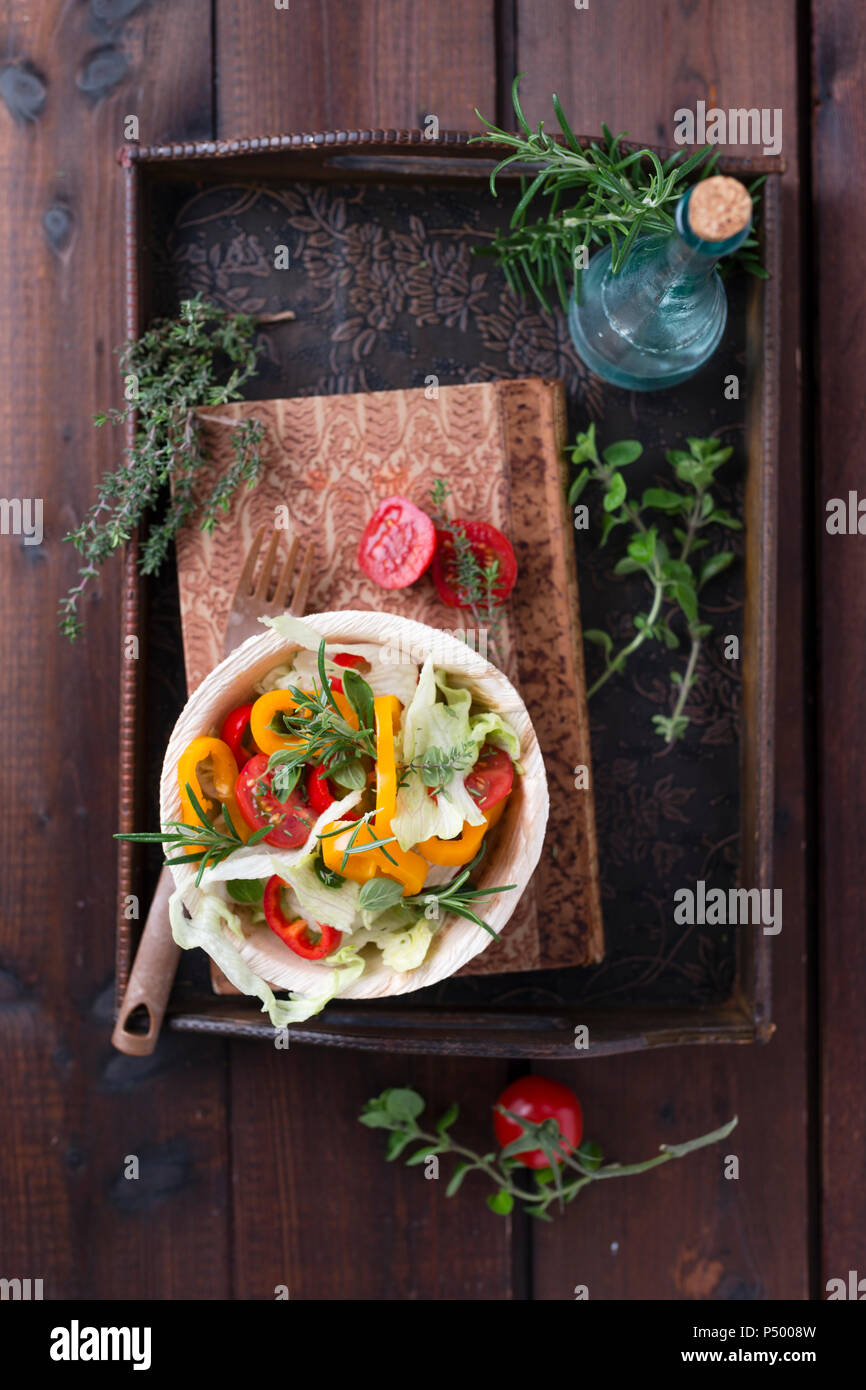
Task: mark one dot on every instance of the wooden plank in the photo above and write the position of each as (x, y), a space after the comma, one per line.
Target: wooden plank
(336, 66)
(318, 1209)
(73, 1110)
(686, 1233)
(381, 1234)
(839, 143)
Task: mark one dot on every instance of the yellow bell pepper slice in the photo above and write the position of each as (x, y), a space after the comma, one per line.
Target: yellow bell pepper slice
(276, 701)
(409, 869)
(266, 706)
(387, 712)
(467, 843)
(225, 775)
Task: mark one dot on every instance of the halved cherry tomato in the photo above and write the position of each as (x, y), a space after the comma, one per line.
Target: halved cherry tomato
(491, 778)
(236, 726)
(397, 544)
(345, 659)
(488, 544)
(319, 792)
(296, 933)
(537, 1098)
(291, 819)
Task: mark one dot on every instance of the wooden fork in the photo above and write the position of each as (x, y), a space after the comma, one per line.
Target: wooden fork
(279, 588)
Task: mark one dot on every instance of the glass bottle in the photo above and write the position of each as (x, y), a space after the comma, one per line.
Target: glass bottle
(660, 318)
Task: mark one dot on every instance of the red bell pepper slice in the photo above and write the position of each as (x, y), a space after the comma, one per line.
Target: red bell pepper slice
(296, 934)
(234, 730)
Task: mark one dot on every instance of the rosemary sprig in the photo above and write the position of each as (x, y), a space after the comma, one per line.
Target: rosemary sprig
(352, 847)
(171, 371)
(453, 897)
(671, 573)
(476, 584)
(595, 194)
(206, 844)
(569, 1171)
(323, 735)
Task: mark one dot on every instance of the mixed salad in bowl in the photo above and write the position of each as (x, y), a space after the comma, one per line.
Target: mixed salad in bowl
(340, 810)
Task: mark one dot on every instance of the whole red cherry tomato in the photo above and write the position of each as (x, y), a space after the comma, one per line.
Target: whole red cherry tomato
(291, 819)
(296, 933)
(538, 1098)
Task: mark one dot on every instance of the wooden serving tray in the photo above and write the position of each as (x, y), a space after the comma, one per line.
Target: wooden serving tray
(386, 292)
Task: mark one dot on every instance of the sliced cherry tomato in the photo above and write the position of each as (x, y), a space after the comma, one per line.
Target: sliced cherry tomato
(234, 732)
(318, 790)
(397, 544)
(491, 778)
(537, 1098)
(488, 545)
(345, 659)
(296, 933)
(259, 806)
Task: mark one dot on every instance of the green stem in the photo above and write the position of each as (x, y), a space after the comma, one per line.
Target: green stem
(684, 687)
(637, 641)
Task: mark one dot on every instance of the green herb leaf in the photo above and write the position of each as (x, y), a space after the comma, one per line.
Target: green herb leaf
(598, 639)
(378, 894)
(715, 565)
(501, 1202)
(664, 501)
(402, 1103)
(329, 877)
(360, 697)
(625, 451)
(351, 775)
(616, 493)
(578, 486)
(245, 890)
(448, 1118)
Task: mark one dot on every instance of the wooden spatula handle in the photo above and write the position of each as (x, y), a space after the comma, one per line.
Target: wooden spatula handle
(152, 975)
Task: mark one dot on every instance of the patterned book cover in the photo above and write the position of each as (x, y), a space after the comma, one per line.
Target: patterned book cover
(331, 460)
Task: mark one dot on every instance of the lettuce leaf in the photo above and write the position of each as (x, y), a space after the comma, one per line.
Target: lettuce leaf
(206, 928)
(385, 677)
(444, 724)
(406, 950)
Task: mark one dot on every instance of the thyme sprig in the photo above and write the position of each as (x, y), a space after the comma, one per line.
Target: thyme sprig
(673, 578)
(475, 583)
(595, 194)
(437, 766)
(569, 1172)
(206, 845)
(173, 370)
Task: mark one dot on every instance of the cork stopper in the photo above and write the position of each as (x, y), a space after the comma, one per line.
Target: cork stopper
(719, 208)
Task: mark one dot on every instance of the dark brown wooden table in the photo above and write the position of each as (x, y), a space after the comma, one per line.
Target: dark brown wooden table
(237, 1142)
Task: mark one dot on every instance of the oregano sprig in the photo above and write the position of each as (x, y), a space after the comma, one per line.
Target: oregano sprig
(669, 566)
(569, 1171)
(200, 359)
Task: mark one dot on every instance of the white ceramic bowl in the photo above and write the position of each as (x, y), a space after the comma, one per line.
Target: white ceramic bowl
(518, 837)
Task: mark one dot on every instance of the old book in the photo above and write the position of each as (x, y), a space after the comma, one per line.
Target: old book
(498, 444)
